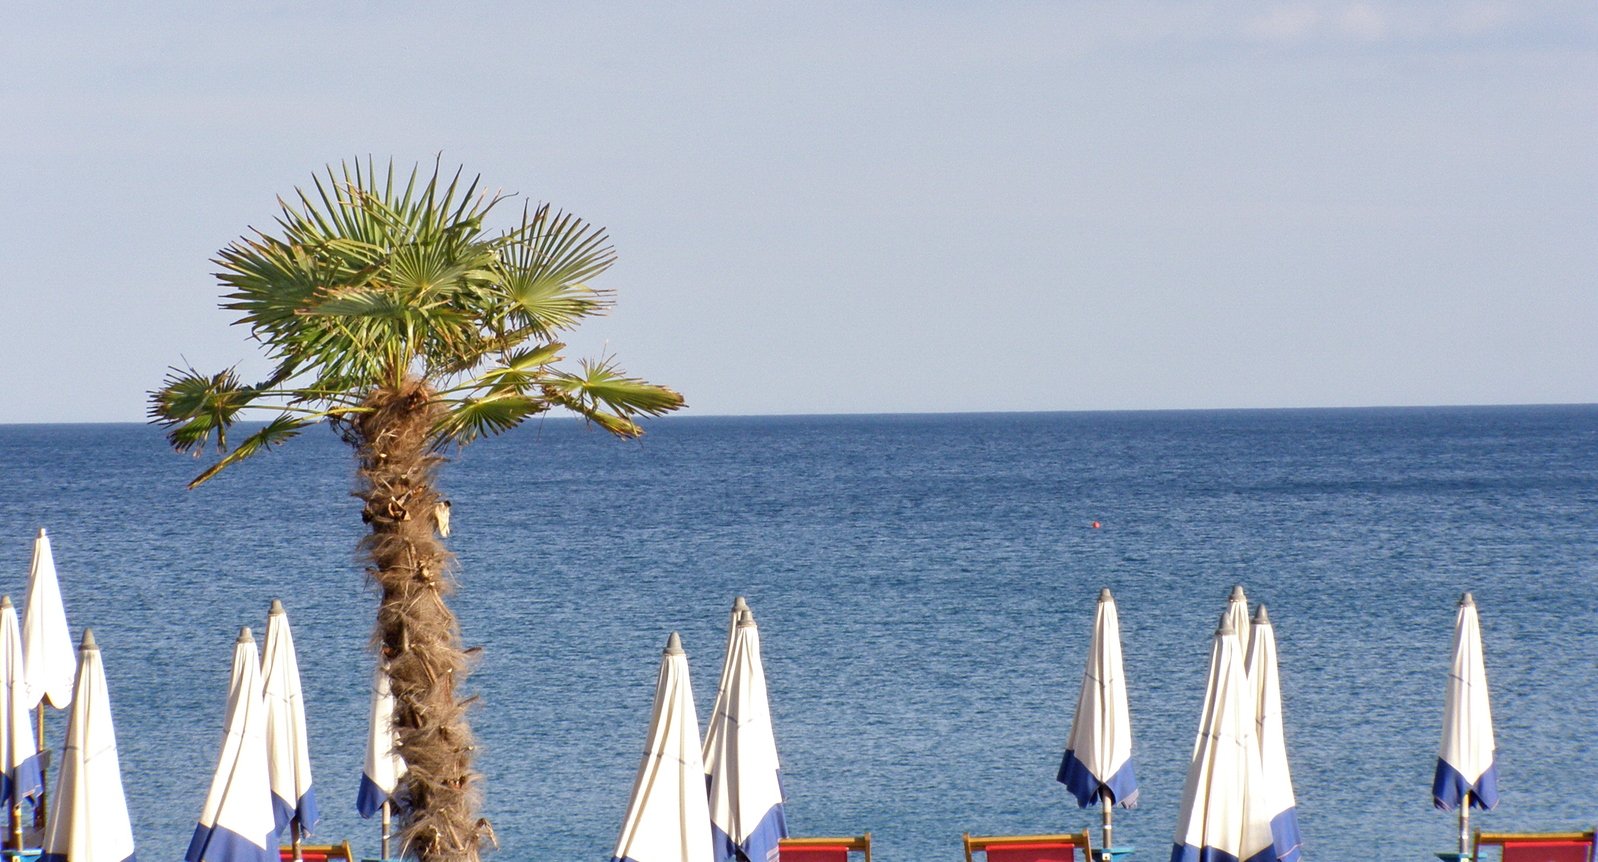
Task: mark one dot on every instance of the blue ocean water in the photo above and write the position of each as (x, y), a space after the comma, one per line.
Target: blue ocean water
(925, 587)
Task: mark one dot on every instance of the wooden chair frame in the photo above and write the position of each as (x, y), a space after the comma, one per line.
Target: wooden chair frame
(860, 843)
(1077, 840)
(330, 851)
(1499, 839)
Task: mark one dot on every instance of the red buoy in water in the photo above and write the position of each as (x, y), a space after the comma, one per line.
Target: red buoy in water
(1095, 525)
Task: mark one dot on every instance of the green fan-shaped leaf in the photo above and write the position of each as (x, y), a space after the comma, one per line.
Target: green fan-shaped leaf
(272, 434)
(193, 406)
(607, 396)
(481, 417)
(520, 370)
(545, 266)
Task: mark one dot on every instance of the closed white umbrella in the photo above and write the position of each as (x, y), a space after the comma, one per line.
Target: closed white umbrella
(48, 657)
(288, 749)
(384, 767)
(89, 822)
(668, 815)
(1219, 820)
(1237, 617)
(19, 755)
(739, 605)
(1097, 767)
(1467, 772)
(237, 823)
(1276, 793)
(746, 816)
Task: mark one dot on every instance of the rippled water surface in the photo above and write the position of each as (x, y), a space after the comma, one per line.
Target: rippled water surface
(925, 588)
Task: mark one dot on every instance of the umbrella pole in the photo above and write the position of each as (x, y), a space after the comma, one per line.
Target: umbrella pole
(1104, 800)
(385, 830)
(16, 827)
(39, 818)
(1464, 826)
(294, 837)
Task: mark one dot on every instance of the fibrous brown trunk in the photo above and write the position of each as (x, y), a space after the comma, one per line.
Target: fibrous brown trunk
(417, 635)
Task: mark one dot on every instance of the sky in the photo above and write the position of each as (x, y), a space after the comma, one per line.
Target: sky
(856, 208)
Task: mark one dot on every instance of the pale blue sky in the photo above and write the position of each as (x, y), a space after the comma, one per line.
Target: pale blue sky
(855, 207)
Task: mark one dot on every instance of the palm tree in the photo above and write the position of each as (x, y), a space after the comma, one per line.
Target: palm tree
(393, 313)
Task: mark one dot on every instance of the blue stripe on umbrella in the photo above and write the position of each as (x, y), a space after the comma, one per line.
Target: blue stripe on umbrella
(1449, 787)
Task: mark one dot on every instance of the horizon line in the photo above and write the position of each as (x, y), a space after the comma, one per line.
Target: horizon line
(909, 413)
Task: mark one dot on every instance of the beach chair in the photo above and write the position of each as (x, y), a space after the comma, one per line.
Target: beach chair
(823, 849)
(319, 853)
(1029, 848)
(1539, 846)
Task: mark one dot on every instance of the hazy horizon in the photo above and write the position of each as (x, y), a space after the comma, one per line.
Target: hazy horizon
(691, 414)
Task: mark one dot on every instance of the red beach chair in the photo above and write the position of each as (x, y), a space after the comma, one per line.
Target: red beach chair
(1540, 846)
(823, 849)
(319, 853)
(1029, 848)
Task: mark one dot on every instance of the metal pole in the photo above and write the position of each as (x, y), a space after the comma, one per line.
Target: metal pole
(294, 837)
(1464, 826)
(39, 818)
(385, 830)
(1104, 799)
(16, 827)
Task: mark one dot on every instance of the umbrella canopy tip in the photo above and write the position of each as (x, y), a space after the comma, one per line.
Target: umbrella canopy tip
(245, 636)
(5, 602)
(1261, 618)
(88, 640)
(746, 618)
(1225, 628)
(1237, 593)
(277, 608)
(1104, 595)
(739, 605)
(673, 644)
(1467, 601)
(41, 533)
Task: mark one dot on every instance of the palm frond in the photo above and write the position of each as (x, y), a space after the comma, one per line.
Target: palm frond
(493, 414)
(193, 406)
(272, 434)
(604, 394)
(545, 265)
(520, 370)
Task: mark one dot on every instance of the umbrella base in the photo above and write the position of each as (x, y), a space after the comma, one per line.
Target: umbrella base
(1113, 854)
(1455, 856)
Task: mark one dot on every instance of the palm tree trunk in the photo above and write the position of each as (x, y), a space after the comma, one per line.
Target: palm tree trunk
(416, 632)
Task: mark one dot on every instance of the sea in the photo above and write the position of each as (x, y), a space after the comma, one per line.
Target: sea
(925, 588)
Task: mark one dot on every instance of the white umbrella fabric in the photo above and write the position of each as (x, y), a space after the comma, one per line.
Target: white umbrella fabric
(1097, 767)
(745, 777)
(739, 605)
(89, 822)
(288, 748)
(384, 767)
(1219, 820)
(668, 814)
(48, 658)
(1237, 616)
(19, 754)
(1276, 792)
(1467, 771)
(237, 823)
